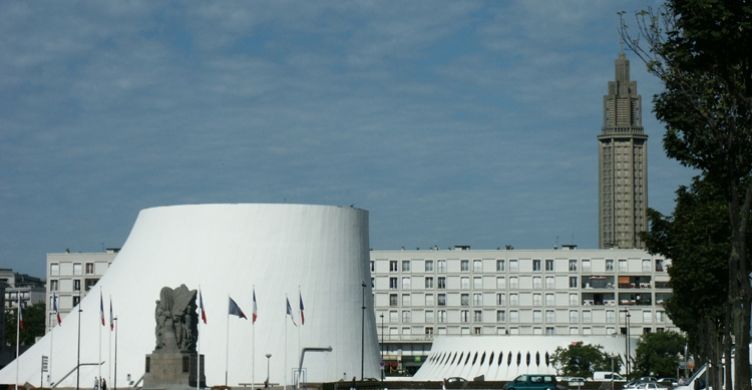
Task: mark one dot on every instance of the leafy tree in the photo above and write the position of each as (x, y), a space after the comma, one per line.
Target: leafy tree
(699, 49)
(657, 353)
(582, 360)
(34, 323)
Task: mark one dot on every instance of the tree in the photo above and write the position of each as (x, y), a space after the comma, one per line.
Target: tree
(658, 353)
(699, 49)
(34, 323)
(582, 360)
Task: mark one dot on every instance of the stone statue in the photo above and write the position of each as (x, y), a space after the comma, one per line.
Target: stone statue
(177, 321)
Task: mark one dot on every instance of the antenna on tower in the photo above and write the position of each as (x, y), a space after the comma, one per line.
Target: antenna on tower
(618, 30)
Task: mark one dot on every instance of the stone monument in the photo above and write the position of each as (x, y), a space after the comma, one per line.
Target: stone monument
(172, 364)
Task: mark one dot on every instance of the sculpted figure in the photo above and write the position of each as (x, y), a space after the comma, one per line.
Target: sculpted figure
(176, 320)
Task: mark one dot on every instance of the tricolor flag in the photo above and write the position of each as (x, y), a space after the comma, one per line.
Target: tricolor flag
(302, 316)
(101, 308)
(20, 316)
(234, 309)
(289, 311)
(112, 317)
(201, 306)
(55, 309)
(254, 316)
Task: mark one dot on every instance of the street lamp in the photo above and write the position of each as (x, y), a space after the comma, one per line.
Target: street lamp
(626, 341)
(362, 329)
(268, 358)
(382, 345)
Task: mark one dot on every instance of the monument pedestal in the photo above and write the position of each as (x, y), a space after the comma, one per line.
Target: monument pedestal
(172, 370)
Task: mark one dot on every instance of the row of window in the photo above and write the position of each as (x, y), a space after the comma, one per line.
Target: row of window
(440, 316)
(538, 299)
(501, 282)
(88, 284)
(548, 265)
(88, 268)
(478, 330)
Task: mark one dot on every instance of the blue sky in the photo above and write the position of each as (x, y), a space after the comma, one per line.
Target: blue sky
(452, 122)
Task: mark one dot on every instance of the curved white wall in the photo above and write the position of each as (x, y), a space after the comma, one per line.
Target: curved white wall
(503, 358)
(226, 249)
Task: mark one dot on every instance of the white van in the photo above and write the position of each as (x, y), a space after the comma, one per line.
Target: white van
(608, 376)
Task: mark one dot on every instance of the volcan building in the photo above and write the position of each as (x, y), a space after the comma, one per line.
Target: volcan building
(623, 164)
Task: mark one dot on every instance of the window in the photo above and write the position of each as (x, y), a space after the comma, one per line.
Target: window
(55, 269)
(89, 283)
(392, 265)
(393, 283)
(572, 265)
(501, 316)
(513, 282)
(429, 331)
(659, 316)
(514, 266)
(406, 282)
(499, 265)
(464, 265)
(573, 300)
(572, 282)
(77, 285)
(477, 283)
(477, 331)
(393, 299)
(429, 283)
(610, 316)
(586, 265)
(477, 266)
(501, 299)
(514, 316)
(501, 282)
(573, 330)
(89, 268)
(76, 300)
(647, 317)
(550, 316)
(53, 285)
(372, 266)
(537, 316)
(477, 299)
(405, 316)
(514, 299)
(441, 299)
(549, 265)
(574, 317)
(405, 299)
(464, 316)
(465, 283)
(537, 299)
(659, 265)
(622, 265)
(550, 330)
(464, 331)
(429, 316)
(405, 265)
(549, 282)
(478, 316)
(429, 265)
(442, 316)
(441, 265)
(77, 269)
(465, 299)
(537, 284)
(550, 301)
(646, 265)
(442, 282)
(609, 264)
(429, 300)
(406, 331)
(393, 316)
(587, 316)
(536, 265)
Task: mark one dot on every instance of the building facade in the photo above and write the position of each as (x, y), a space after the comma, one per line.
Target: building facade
(29, 289)
(70, 276)
(419, 294)
(623, 172)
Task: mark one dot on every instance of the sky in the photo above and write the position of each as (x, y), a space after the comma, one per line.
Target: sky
(451, 122)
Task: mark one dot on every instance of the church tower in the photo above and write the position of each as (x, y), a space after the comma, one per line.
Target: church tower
(623, 164)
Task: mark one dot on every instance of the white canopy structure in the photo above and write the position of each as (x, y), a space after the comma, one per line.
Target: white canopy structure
(284, 250)
(503, 358)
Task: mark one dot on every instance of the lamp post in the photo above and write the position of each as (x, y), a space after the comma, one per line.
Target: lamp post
(78, 351)
(114, 384)
(382, 345)
(362, 329)
(626, 341)
(268, 358)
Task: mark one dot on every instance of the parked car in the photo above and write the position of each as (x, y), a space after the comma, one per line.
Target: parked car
(668, 382)
(607, 376)
(647, 386)
(533, 382)
(456, 379)
(576, 381)
(637, 382)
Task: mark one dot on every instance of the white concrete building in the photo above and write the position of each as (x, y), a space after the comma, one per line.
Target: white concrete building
(566, 291)
(71, 275)
(29, 289)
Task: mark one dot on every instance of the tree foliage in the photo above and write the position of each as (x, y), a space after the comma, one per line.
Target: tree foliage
(581, 360)
(658, 353)
(700, 50)
(34, 323)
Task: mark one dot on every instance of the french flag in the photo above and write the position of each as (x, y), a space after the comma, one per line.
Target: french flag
(302, 316)
(54, 308)
(201, 306)
(289, 311)
(255, 308)
(101, 308)
(112, 317)
(20, 316)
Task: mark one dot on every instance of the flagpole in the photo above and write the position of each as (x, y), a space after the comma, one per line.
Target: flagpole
(49, 360)
(101, 318)
(18, 331)
(109, 347)
(227, 342)
(284, 370)
(198, 342)
(300, 298)
(253, 340)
